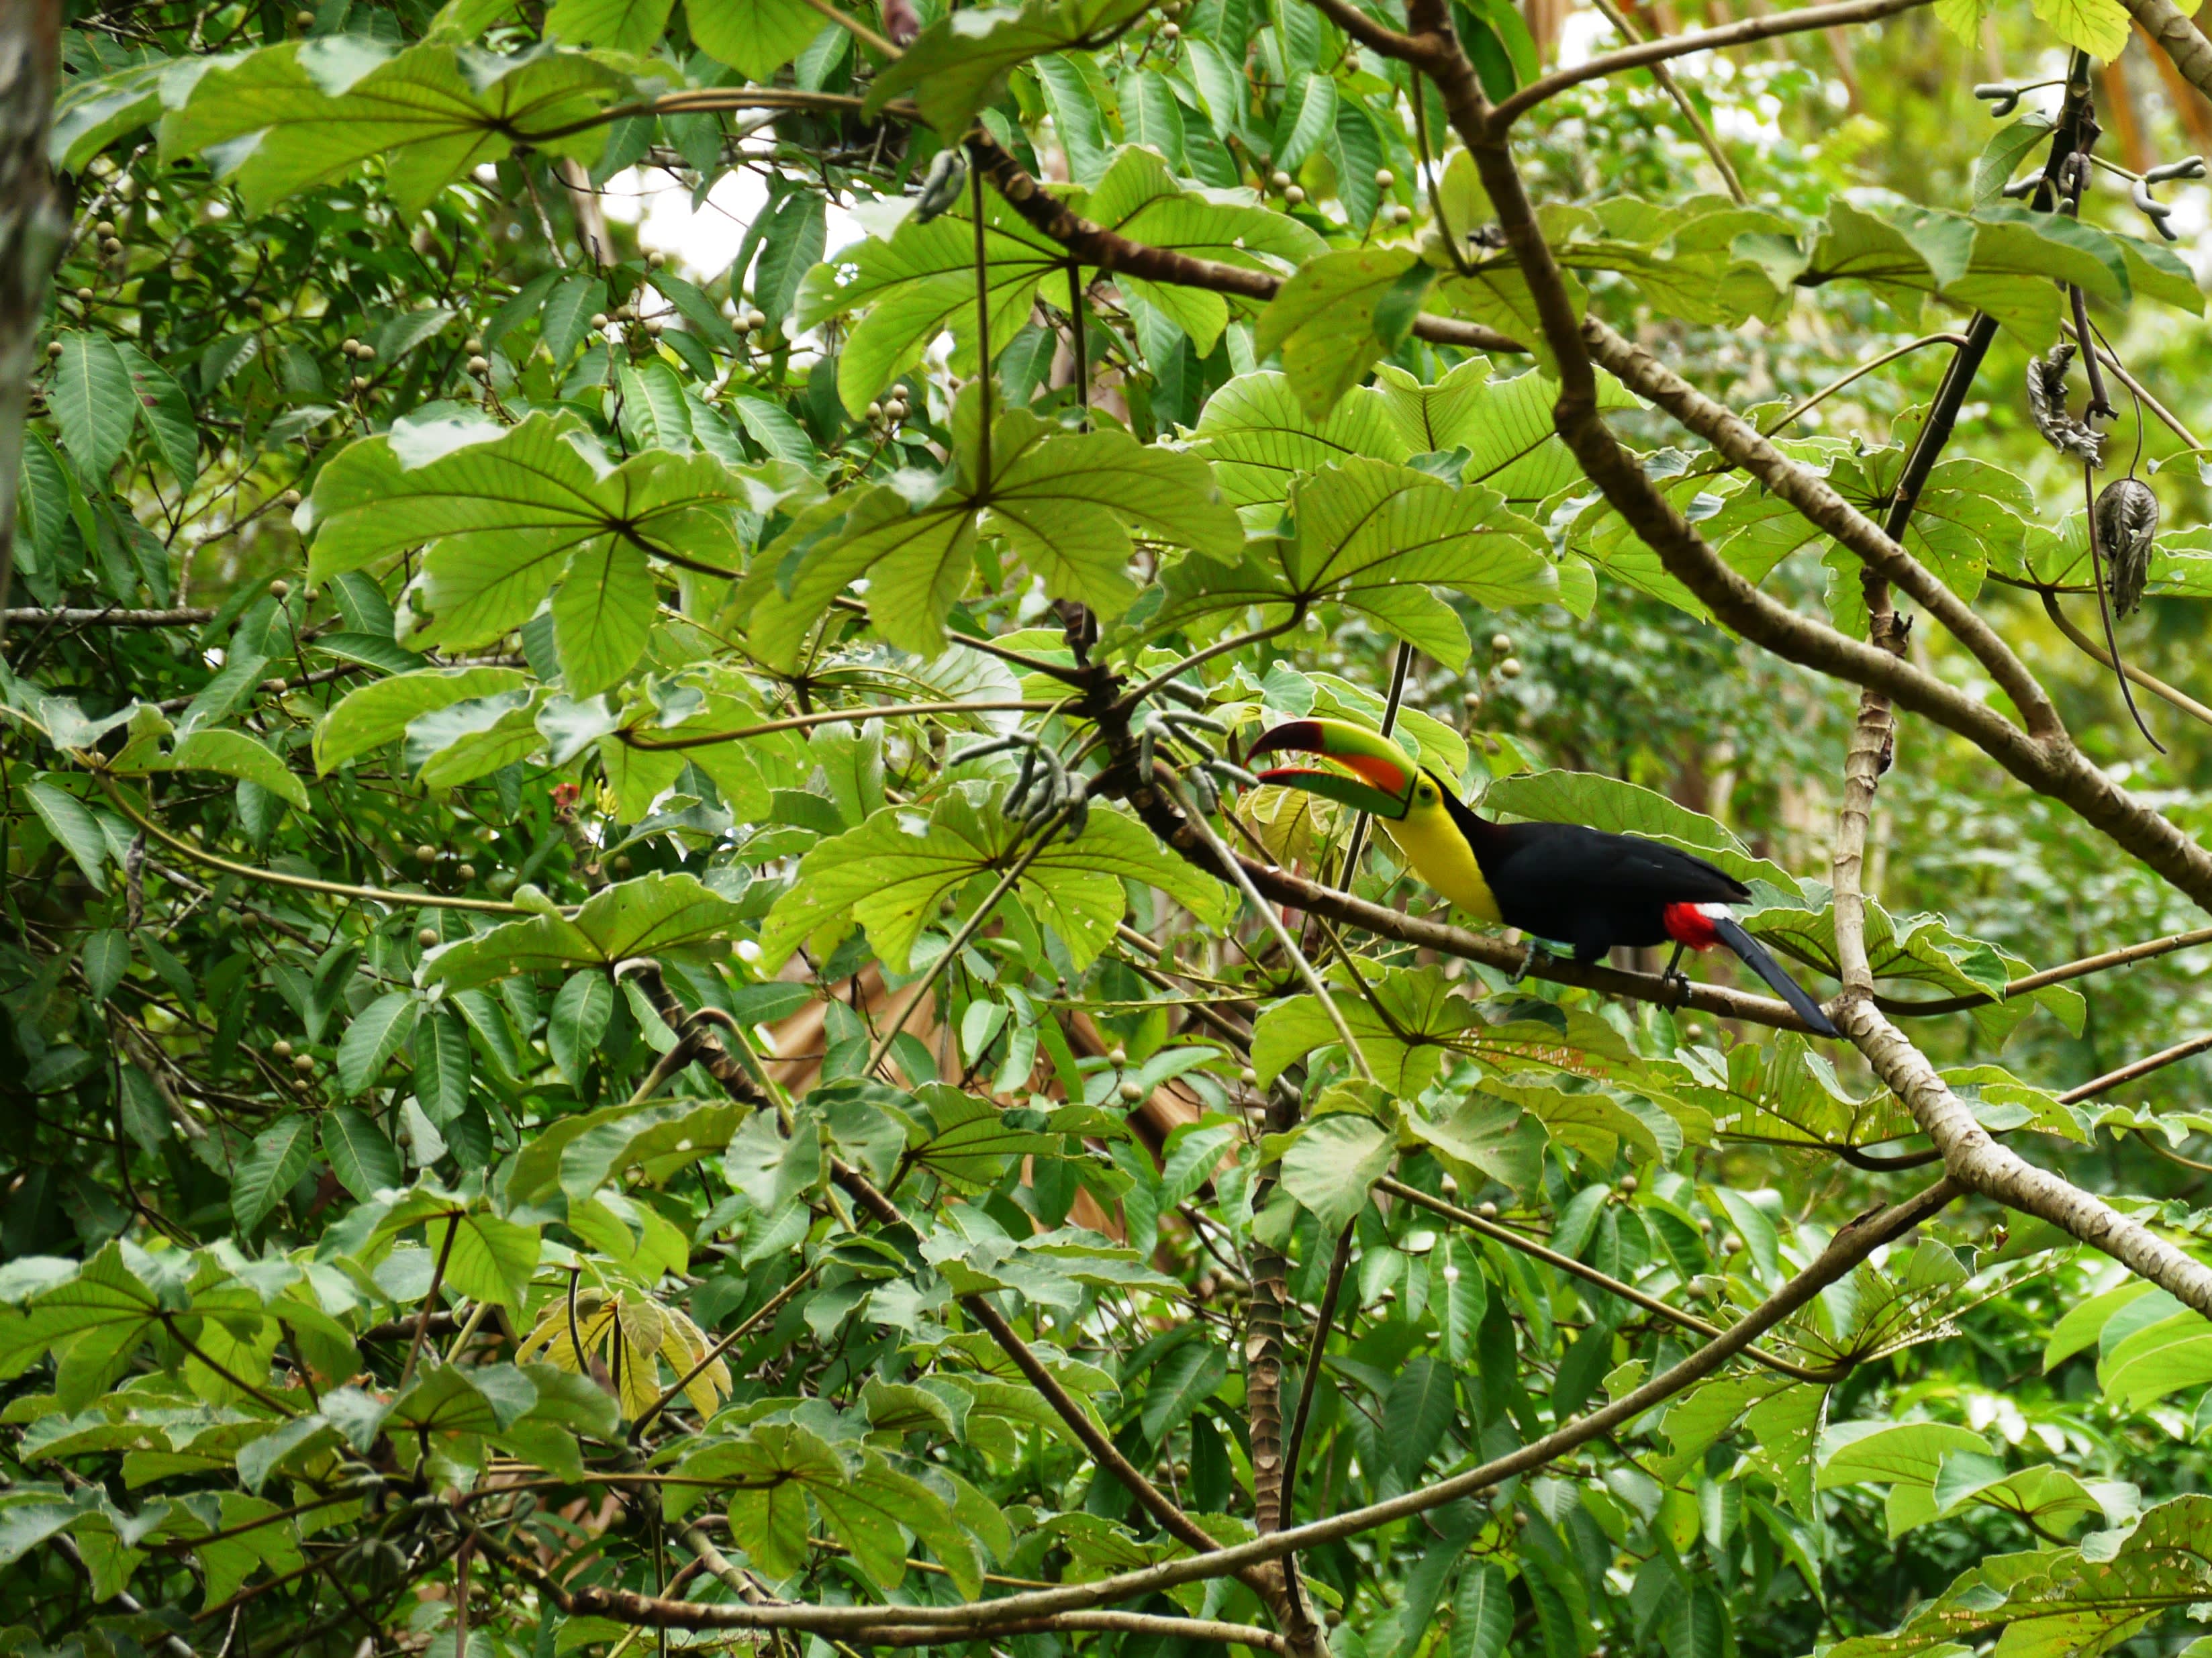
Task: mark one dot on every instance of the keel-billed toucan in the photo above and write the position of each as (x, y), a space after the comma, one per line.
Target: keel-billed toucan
(1580, 887)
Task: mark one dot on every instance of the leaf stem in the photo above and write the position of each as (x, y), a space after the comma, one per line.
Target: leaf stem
(430, 1295)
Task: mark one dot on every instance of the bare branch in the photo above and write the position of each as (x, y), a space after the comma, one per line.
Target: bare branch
(1682, 46)
(1096, 245)
(1851, 1245)
(2178, 38)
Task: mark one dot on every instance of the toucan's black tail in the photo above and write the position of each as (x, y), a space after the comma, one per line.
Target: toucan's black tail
(1767, 968)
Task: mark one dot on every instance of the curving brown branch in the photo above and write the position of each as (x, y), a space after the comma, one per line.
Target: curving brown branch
(2179, 37)
(1819, 504)
(1851, 1245)
(1094, 245)
(1801, 21)
(2174, 696)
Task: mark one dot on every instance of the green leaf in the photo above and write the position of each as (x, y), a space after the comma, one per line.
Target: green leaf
(1257, 434)
(1406, 1049)
(568, 314)
(2100, 27)
(1181, 1381)
(1482, 1613)
(165, 410)
(953, 69)
(1330, 1165)
(631, 26)
(1340, 314)
(920, 284)
(1416, 1412)
(1506, 426)
(374, 1037)
(490, 1259)
(508, 514)
(1374, 537)
(755, 37)
(654, 915)
(361, 1154)
(236, 755)
(106, 959)
(771, 1470)
(893, 872)
(577, 1022)
(270, 1169)
(94, 402)
(442, 1065)
(1063, 503)
(2158, 1359)
(1141, 197)
(379, 713)
(312, 111)
(70, 822)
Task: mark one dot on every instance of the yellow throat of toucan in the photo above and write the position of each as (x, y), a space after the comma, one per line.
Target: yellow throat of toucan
(1433, 841)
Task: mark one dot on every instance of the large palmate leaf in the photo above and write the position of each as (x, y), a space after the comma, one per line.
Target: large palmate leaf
(1062, 502)
(1260, 439)
(953, 69)
(1971, 515)
(2001, 260)
(1339, 315)
(920, 283)
(653, 914)
(1403, 1022)
(1140, 198)
(313, 112)
(892, 872)
(1374, 537)
(508, 514)
(1505, 425)
(1683, 256)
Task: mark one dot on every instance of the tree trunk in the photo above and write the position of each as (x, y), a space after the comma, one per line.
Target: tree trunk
(31, 228)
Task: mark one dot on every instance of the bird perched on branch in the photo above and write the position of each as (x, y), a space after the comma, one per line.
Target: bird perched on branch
(1580, 887)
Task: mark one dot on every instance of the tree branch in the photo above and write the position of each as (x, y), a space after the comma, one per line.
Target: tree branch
(1820, 504)
(1094, 245)
(1851, 1245)
(2170, 695)
(185, 617)
(1627, 1292)
(1801, 21)
(2178, 38)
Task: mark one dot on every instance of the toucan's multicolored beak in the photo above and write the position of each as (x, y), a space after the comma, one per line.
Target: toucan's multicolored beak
(1368, 771)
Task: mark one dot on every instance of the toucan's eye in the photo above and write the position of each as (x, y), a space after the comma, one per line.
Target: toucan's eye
(1428, 793)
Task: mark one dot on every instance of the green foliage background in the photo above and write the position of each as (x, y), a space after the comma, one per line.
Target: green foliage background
(361, 1263)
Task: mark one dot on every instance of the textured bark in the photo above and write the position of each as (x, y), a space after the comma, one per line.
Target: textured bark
(2182, 41)
(1980, 1164)
(1263, 1384)
(32, 227)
